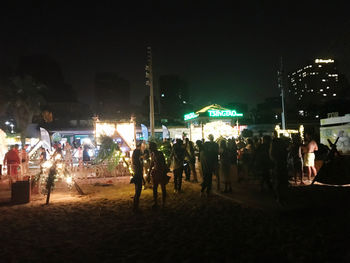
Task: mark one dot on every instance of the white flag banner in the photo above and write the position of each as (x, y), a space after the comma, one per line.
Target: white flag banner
(45, 138)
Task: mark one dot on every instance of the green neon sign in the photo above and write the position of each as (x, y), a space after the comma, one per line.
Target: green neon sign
(224, 113)
(190, 116)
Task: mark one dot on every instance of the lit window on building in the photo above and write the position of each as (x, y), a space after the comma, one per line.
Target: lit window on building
(163, 95)
(317, 116)
(334, 94)
(323, 80)
(301, 112)
(320, 66)
(327, 88)
(312, 90)
(321, 89)
(324, 94)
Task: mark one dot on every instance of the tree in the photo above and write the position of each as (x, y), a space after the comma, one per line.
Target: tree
(25, 102)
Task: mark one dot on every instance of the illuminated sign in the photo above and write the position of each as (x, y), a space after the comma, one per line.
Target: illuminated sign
(190, 116)
(324, 60)
(224, 113)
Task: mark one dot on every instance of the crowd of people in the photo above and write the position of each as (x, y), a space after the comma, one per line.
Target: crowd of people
(16, 160)
(271, 160)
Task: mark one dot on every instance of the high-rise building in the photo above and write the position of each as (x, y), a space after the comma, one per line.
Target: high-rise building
(112, 94)
(315, 87)
(315, 83)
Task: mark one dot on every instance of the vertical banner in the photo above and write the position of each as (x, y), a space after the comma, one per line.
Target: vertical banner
(166, 134)
(45, 138)
(144, 132)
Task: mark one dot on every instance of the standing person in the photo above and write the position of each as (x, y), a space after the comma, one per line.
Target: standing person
(80, 157)
(199, 145)
(232, 148)
(42, 156)
(225, 166)
(68, 156)
(86, 156)
(146, 165)
(213, 152)
(207, 168)
(177, 157)
(248, 158)
(12, 161)
(137, 166)
(263, 163)
(278, 154)
(191, 156)
(187, 168)
(309, 156)
(158, 173)
(295, 157)
(24, 160)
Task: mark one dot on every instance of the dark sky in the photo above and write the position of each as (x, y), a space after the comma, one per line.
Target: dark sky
(227, 52)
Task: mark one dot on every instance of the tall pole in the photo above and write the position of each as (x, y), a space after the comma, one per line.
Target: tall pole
(149, 82)
(280, 86)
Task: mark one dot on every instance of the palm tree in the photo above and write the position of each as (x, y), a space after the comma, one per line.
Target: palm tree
(25, 102)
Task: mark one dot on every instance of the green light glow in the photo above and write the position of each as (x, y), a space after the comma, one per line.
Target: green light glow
(190, 116)
(224, 113)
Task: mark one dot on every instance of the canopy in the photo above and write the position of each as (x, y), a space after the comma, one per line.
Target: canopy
(212, 111)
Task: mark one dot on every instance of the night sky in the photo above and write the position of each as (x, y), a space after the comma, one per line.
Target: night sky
(227, 52)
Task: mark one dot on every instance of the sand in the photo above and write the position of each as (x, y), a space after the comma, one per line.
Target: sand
(101, 227)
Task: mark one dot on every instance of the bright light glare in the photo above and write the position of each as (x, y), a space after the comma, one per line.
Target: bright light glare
(47, 164)
(69, 180)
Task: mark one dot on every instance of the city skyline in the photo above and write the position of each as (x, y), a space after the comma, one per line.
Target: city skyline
(232, 50)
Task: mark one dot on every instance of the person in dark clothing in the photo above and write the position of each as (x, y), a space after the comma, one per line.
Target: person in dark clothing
(187, 168)
(207, 168)
(86, 156)
(278, 154)
(191, 160)
(295, 158)
(212, 158)
(199, 145)
(158, 173)
(177, 157)
(232, 148)
(225, 166)
(263, 163)
(42, 156)
(137, 166)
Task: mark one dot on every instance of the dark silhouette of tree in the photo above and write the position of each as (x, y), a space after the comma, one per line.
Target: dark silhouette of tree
(25, 102)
